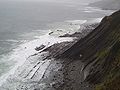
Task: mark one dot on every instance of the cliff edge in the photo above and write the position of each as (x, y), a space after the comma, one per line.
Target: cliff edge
(90, 62)
(100, 53)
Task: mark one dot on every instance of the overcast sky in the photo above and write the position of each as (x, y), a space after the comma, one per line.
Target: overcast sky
(54, 0)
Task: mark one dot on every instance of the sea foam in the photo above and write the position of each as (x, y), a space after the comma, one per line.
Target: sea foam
(25, 50)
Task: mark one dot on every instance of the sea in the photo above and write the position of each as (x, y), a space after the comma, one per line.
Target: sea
(23, 22)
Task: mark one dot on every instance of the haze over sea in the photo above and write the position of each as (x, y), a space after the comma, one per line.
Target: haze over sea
(23, 21)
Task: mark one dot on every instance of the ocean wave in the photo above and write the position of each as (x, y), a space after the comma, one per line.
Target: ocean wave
(94, 20)
(76, 21)
(95, 9)
(25, 50)
(66, 27)
(9, 40)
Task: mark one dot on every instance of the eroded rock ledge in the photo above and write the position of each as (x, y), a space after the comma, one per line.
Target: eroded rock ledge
(43, 71)
(90, 62)
(99, 52)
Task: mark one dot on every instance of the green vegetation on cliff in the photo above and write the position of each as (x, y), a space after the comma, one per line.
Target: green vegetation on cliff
(111, 81)
(105, 67)
(100, 53)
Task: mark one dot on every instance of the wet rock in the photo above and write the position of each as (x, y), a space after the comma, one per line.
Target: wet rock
(40, 48)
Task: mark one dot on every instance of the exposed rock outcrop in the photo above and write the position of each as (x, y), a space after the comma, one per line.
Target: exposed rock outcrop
(87, 63)
(99, 51)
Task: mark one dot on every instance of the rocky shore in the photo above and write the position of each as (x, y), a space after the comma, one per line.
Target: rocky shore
(91, 61)
(99, 53)
(42, 71)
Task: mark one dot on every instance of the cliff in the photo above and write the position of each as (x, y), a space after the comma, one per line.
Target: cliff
(90, 62)
(100, 53)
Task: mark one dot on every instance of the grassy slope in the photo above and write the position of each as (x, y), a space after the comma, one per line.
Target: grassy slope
(108, 59)
(100, 52)
(111, 81)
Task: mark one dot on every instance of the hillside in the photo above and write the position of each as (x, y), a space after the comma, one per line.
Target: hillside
(100, 53)
(89, 62)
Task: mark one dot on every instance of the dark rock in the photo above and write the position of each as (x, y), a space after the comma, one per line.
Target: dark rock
(100, 51)
(51, 33)
(40, 48)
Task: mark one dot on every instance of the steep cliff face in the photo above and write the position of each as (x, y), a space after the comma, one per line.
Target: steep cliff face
(88, 63)
(100, 53)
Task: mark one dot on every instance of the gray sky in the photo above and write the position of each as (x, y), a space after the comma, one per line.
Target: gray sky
(54, 0)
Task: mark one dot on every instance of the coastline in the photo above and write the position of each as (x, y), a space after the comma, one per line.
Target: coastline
(56, 43)
(27, 49)
(52, 49)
